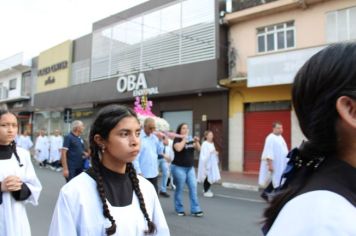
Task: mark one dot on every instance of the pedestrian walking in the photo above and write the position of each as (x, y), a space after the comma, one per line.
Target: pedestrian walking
(318, 196)
(208, 168)
(55, 150)
(73, 152)
(273, 160)
(42, 148)
(163, 162)
(110, 199)
(183, 171)
(151, 146)
(24, 141)
(18, 180)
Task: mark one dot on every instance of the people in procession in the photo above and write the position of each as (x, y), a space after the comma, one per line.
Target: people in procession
(55, 150)
(73, 152)
(318, 195)
(151, 147)
(110, 198)
(208, 168)
(18, 180)
(42, 148)
(24, 140)
(183, 171)
(273, 160)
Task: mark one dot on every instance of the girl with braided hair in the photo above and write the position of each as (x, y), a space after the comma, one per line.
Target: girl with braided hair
(18, 180)
(318, 196)
(109, 198)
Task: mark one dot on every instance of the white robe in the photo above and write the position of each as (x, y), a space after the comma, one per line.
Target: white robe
(79, 211)
(42, 148)
(24, 142)
(316, 213)
(208, 163)
(275, 149)
(56, 143)
(13, 217)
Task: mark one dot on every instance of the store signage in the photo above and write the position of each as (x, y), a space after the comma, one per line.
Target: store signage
(135, 83)
(50, 80)
(53, 68)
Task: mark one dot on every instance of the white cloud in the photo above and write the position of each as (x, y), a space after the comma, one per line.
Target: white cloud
(31, 26)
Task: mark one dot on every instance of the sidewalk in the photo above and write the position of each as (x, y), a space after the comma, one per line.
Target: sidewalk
(239, 180)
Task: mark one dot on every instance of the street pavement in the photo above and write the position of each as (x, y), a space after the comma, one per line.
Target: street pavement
(231, 212)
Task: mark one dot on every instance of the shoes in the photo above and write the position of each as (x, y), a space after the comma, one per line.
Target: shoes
(59, 169)
(164, 194)
(182, 213)
(198, 214)
(264, 196)
(52, 167)
(208, 194)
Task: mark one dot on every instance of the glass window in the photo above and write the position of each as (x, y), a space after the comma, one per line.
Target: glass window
(276, 37)
(261, 43)
(12, 84)
(270, 42)
(340, 25)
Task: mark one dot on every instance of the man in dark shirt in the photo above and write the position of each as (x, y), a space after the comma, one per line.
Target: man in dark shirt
(73, 151)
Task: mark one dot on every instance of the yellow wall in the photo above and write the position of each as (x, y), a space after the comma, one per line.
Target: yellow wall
(241, 95)
(310, 28)
(53, 56)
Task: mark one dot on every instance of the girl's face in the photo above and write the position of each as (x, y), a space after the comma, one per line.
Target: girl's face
(8, 128)
(210, 136)
(184, 130)
(123, 143)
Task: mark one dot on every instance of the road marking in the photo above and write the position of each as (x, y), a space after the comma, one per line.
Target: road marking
(239, 198)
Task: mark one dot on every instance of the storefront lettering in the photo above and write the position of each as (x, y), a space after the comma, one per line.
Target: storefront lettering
(131, 82)
(53, 68)
(135, 83)
(50, 80)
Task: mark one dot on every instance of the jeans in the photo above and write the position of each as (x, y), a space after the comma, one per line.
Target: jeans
(162, 164)
(182, 176)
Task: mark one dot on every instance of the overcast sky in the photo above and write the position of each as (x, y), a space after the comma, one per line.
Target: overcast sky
(32, 26)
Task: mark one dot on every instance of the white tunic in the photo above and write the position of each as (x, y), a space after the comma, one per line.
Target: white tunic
(79, 211)
(13, 217)
(42, 148)
(56, 143)
(24, 142)
(208, 163)
(275, 149)
(316, 213)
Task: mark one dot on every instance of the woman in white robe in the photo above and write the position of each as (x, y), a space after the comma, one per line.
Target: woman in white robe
(110, 199)
(19, 183)
(208, 168)
(56, 144)
(42, 148)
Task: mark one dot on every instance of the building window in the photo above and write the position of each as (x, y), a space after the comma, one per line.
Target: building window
(276, 37)
(340, 25)
(12, 84)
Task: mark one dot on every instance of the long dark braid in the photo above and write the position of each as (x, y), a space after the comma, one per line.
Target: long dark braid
(135, 183)
(100, 186)
(13, 149)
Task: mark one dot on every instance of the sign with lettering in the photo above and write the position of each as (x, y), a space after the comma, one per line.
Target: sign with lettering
(135, 83)
(53, 68)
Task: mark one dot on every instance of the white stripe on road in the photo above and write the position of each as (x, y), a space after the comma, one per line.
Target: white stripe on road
(239, 198)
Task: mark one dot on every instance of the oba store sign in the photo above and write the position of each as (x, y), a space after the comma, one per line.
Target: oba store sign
(135, 83)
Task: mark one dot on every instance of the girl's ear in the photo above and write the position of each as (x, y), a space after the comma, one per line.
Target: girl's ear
(346, 107)
(98, 140)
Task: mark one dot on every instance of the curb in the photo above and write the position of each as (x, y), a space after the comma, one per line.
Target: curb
(240, 186)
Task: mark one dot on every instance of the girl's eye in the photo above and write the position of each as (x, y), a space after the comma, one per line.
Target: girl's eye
(124, 134)
(138, 133)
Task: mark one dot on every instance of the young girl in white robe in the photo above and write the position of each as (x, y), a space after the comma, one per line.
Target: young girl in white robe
(208, 168)
(19, 183)
(110, 199)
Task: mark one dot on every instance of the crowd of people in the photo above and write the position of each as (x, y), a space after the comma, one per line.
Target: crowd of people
(118, 193)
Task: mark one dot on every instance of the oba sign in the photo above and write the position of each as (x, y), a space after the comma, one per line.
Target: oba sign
(136, 83)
